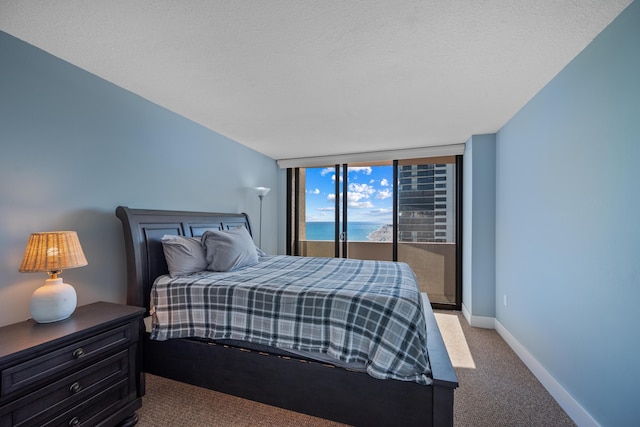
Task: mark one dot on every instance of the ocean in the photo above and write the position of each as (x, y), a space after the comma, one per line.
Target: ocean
(356, 231)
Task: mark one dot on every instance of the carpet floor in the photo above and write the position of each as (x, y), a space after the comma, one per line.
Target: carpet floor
(496, 389)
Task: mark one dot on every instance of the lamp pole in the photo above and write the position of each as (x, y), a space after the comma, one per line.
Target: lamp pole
(260, 232)
(262, 191)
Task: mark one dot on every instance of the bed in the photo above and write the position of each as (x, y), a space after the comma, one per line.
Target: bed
(275, 376)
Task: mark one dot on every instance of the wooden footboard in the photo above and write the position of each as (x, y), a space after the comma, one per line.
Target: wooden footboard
(445, 380)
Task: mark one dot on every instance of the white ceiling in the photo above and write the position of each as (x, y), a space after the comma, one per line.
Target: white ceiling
(299, 78)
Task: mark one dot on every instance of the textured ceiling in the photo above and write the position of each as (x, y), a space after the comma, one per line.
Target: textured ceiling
(298, 78)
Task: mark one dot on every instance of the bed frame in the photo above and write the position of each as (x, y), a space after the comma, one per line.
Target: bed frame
(304, 386)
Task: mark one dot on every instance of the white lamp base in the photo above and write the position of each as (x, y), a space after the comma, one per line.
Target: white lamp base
(53, 301)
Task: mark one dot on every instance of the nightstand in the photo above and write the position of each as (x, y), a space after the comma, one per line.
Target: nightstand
(81, 371)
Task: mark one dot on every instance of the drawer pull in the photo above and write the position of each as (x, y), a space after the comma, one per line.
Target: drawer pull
(75, 387)
(74, 422)
(78, 353)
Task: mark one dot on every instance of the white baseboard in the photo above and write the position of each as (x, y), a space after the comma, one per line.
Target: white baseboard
(575, 411)
(478, 321)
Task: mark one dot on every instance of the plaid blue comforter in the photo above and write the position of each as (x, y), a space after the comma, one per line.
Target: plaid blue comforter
(352, 310)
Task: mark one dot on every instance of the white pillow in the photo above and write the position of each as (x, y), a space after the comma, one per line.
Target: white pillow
(229, 250)
(184, 255)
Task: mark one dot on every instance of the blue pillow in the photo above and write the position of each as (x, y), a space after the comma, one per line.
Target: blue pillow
(184, 255)
(229, 250)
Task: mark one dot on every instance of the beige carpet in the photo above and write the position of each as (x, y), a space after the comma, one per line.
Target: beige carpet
(496, 389)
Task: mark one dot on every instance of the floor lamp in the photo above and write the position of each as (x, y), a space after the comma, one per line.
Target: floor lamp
(262, 191)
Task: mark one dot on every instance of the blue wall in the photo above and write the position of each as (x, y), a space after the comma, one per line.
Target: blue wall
(568, 225)
(73, 147)
(479, 217)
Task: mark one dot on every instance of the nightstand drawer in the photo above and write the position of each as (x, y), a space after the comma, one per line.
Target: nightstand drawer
(84, 370)
(71, 390)
(42, 368)
(91, 411)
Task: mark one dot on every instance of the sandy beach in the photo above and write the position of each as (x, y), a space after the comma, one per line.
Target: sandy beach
(382, 234)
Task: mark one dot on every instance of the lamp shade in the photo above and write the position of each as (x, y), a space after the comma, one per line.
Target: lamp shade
(52, 251)
(262, 191)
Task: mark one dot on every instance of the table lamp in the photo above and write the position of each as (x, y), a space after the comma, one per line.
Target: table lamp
(51, 252)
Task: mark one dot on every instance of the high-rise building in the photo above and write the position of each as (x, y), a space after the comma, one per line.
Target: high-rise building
(426, 200)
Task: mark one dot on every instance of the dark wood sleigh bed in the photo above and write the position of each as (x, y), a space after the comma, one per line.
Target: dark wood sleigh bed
(292, 383)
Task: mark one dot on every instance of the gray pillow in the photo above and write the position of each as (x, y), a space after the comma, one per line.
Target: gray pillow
(184, 255)
(229, 250)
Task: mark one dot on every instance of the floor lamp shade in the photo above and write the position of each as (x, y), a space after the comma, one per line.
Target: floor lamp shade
(262, 191)
(51, 252)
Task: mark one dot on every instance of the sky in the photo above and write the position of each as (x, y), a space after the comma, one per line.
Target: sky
(370, 194)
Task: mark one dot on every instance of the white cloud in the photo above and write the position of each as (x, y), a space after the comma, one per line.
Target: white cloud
(361, 188)
(325, 171)
(354, 200)
(381, 212)
(360, 205)
(316, 191)
(384, 182)
(353, 196)
(364, 169)
(384, 194)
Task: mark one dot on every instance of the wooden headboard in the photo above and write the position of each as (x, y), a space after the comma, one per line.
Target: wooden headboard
(143, 229)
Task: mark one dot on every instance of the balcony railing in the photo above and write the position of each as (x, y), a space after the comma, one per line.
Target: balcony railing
(433, 263)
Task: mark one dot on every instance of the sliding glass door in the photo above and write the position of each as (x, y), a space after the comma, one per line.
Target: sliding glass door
(315, 212)
(341, 209)
(405, 210)
(427, 225)
(370, 211)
